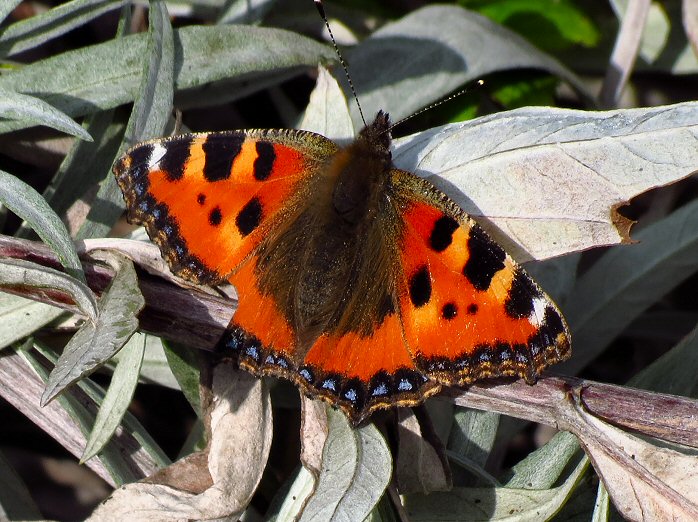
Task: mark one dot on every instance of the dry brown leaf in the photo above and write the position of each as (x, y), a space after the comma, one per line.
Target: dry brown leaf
(241, 430)
(645, 482)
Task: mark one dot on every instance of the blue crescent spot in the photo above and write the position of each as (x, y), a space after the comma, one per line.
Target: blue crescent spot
(379, 390)
(405, 385)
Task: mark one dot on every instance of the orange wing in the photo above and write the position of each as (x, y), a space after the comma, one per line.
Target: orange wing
(357, 373)
(208, 199)
(468, 310)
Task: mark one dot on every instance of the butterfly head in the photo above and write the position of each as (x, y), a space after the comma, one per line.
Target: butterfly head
(377, 136)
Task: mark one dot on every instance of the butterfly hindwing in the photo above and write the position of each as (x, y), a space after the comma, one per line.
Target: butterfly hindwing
(468, 310)
(207, 199)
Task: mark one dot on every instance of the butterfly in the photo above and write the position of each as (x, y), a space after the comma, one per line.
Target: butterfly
(361, 283)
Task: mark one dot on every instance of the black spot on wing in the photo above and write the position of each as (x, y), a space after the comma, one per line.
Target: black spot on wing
(264, 163)
(449, 311)
(215, 217)
(486, 258)
(420, 286)
(249, 216)
(201, 198)
(442, 233)
(220, 151)
(472, 309)
(523, 291)
(175, 158)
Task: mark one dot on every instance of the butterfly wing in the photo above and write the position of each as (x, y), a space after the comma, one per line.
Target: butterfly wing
(468, 310)
(208, 199)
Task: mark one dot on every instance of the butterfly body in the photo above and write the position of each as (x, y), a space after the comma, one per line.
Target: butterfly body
(361, 283)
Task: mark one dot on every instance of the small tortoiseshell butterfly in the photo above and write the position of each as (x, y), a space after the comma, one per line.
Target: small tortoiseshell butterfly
(361, 283)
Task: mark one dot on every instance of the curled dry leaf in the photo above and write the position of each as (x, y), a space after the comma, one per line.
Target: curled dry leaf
(241, 430)
(646, 482)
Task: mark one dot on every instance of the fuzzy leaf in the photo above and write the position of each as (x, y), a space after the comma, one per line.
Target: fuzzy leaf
(355, 471)
(547, 181)
(94, 344)
(626, 281)
(327, 112)
(28, 204)
(16, 106)
(20, 317)
(150, 114)
(17, 272)
(42, 27)
(483, 504)
(107, 75)
(118, 397)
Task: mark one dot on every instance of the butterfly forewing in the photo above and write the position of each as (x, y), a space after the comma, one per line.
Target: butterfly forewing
(208, 199)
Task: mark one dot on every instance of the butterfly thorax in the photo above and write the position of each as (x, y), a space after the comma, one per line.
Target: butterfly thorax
(341, 277)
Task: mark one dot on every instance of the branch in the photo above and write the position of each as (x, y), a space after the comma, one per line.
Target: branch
(196, 318)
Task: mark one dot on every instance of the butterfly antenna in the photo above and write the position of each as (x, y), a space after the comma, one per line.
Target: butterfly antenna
(480, 83)
(321, 10)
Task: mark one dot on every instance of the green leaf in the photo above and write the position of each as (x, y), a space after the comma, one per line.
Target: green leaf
(433, 51)
(14, 272)
(149, 116)
(472, 437)
(20, 317)
(327, 112)
(16, 106)
(42, 27)
(356, 469)
(28, 204)
(153, 104)
(107, 75)
(111, 457)
(94, 344)
(543, 467)
(299, 489)
(549, 24)
(184, 365)
(155, 368)
(484, 504)
(118, 397)
(85, 163)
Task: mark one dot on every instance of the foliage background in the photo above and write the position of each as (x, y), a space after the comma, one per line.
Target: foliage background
(244, 80)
